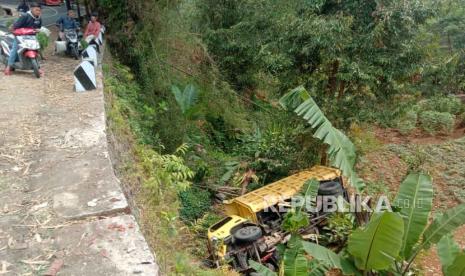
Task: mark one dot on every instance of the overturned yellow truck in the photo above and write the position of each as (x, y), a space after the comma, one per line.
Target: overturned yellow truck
(252, 228)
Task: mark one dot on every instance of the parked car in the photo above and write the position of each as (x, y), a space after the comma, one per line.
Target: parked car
(252, 228)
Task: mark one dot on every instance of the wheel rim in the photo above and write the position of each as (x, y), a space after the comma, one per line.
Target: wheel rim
(249, 230)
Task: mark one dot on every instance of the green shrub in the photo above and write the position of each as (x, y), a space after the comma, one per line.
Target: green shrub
(195, 203)
(202, 224)
(43, 40)
(415, 159)
(462, 119)
(434, 121)
(270, 152)
(339, 227)
(407, 123)
(364, 139)
(448, 104)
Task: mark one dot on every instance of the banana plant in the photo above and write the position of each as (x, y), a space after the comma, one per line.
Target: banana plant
(186, 98)
(295, 261)
(415, 200)
(340, 150)
(452, 258)
(376, 246)
(390, 241)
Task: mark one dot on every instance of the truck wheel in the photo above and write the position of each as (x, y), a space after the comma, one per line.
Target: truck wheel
(331, 188)
(249, 233)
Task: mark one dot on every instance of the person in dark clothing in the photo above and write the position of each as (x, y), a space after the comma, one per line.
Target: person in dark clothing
(31, 20)
(67, 22)
(23, 8)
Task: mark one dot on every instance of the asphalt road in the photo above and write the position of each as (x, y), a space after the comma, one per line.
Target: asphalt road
(49, 14)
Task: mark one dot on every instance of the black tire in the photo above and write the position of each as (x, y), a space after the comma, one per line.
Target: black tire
(331, 188)
(248, 233)
(75, 53)
(35, 67)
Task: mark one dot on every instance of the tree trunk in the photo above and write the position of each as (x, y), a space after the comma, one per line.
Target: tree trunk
(324, 155)
(332, 80)
(449, 42)
(247, 177)
(342, 88)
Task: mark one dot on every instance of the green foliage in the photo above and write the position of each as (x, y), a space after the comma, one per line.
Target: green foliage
(187, 98)
(415, 159)
(447, 104)
(443, 225)
(462, 119)
(448, 250)
(392, 240)
(84, 44)
(415, 200)
(364, 139)
(202, 224)
(44, 40)
(340, 50)
(294, 220)
(195, 202)
(433, 121)
(339, 227)
(378, 244)
(297, 219)
(457, 267)
(407, 123)
(340, 150)
(294, 261)
(141, 116)
(447, 48)
(329, 258)
(261, 269)
(170, 171)
(271, 153)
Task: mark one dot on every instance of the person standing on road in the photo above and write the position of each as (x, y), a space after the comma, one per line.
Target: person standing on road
(93, 28)
(31, 20)
(67, 22)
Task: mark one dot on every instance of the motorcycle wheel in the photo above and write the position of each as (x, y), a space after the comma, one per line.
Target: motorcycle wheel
(75, 53)
(35, 67)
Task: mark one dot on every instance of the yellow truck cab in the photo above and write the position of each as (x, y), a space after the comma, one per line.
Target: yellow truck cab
(251, 218)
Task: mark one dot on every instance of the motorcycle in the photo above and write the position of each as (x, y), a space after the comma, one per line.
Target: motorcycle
(72, 39)
(28, 50)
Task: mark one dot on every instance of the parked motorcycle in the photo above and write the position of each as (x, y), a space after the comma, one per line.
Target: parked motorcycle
(73, 43)
(28, 50)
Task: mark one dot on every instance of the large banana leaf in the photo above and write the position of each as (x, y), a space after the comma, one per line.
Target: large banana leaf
(415, 200)
(458, 266)
(378, 244)
(329, 258)
(261, 269)
(310, 193)
(315, 268)
(294, 259)
(448, 250)
(443, 225)
(341, 150)
(186, 99)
